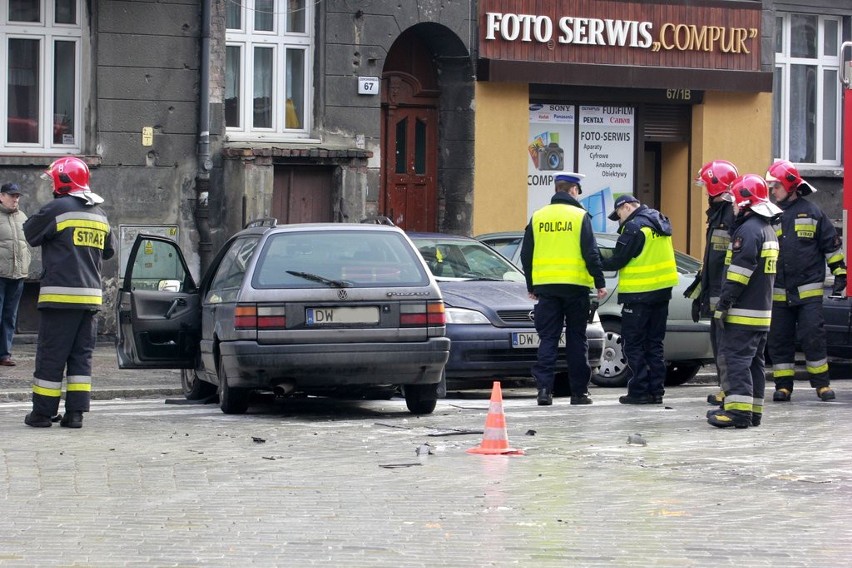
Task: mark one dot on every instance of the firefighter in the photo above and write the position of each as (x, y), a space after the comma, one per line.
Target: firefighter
(715, 177)
(562, 263)
(74, 236)
(644, 257)
(808, 241)
(744, 308)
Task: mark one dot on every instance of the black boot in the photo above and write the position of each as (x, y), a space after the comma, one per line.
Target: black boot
(545, 398)
(728, 418)
(37, 420)
(639, 399)
(73, 419)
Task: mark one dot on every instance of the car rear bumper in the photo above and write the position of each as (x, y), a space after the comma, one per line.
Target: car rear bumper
(248, 364)
(487, 352)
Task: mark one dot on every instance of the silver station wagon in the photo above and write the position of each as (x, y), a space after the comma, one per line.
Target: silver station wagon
(311, 308)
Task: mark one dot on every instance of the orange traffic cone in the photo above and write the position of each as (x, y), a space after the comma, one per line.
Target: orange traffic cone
(495, 440)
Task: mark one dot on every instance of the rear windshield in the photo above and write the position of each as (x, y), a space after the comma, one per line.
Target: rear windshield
(320, 259)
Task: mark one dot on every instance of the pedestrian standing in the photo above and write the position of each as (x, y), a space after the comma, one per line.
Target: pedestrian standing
(745, 305)
(645, 260)
(808, 242)
(715, 177)
(562, 263)
(14, 266)
(74, 235)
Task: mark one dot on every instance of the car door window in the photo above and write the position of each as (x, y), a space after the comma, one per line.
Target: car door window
(229, 275)
(158, 266)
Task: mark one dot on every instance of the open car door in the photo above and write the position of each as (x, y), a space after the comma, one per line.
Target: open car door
(159, 308)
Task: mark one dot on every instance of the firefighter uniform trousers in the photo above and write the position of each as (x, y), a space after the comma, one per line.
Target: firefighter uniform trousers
(551, 314)
(811, 334)
(66, 340)
(742, 369)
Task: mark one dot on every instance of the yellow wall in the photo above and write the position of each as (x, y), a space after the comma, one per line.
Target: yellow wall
(674, 182)
(729, 126)
(500, 157)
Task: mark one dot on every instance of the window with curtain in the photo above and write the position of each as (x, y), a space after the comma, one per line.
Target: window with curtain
(806, 89)
(40, 95)
(267, 68)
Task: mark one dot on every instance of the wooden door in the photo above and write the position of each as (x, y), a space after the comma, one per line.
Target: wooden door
(302, 194)
(410, 167)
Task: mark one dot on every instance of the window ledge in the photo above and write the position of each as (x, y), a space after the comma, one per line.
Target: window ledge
(44, 160)
(812, 170)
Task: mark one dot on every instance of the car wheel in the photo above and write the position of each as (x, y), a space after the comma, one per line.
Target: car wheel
(679, 373)
(613, 370)
(421, 399)
(195, 388)
(231, 400)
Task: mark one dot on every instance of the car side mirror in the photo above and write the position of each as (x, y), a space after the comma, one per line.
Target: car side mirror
(169, 285)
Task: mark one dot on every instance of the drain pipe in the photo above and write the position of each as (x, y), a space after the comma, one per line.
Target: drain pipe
(205, 164)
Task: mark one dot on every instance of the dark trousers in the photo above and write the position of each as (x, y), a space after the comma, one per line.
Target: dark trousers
(806, 323)
(643, 329)
(10, 296)
(552, 314)
(66, 340)
(742, 369)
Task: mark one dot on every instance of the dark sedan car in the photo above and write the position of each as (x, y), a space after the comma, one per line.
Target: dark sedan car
(488, 312)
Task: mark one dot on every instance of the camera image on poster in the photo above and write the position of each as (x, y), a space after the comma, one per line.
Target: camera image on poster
(551, 149)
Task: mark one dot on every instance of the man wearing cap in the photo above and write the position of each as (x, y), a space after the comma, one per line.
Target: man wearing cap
(562, 263)
(14, 266)
(808, 243)
(644, 257)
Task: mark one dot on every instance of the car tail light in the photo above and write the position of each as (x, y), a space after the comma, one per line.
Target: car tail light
(245, 316)
(272, 317)
(422, 314)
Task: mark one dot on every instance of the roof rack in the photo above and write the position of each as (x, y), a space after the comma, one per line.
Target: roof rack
(261, 222)
(378, 220)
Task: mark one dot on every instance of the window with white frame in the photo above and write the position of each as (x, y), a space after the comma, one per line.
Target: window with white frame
(40, 60)
(807, 89)
(268, 57)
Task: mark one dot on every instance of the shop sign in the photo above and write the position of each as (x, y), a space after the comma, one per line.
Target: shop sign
(677, 34)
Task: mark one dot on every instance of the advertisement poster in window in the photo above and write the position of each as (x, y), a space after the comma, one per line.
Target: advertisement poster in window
(551, 149)
(606, 137)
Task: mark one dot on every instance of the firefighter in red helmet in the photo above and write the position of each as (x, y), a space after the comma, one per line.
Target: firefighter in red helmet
(745, 305)
(715, 177)
(808, 242)
(74, 236)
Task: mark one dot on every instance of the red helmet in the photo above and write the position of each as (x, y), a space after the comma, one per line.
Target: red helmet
(69, 174)
(788, 176)
(716, 176)
(749, 190)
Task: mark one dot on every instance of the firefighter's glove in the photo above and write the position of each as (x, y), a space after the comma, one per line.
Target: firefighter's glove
(694, 289)
(696, 310)
(839, 288)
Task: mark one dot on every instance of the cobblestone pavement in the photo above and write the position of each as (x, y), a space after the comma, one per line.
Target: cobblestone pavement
(319, 482)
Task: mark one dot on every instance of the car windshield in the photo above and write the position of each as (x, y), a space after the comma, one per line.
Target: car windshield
(322, 259)
(463, 259)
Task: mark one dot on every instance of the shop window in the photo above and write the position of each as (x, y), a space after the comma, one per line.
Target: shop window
(40, 91)
(267, 81)
(806, 89)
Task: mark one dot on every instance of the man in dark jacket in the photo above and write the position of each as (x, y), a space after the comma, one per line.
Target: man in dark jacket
(74, 236)
(561, 262)
(808, 242)
(644, 257)
(745, 305)
(715, 177)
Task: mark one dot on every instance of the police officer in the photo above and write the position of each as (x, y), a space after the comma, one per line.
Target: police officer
(644, 257)
(808, 241)
(745, 305)
(74, 236)
(562, 263)
(715, 177)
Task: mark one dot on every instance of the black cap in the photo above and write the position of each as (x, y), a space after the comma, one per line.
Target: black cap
(11, 188)
(622, 199)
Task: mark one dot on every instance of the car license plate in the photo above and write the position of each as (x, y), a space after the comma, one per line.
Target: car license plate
(530, 340)
(338, 316)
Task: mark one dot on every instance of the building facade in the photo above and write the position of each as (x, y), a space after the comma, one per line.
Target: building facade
(197, 116)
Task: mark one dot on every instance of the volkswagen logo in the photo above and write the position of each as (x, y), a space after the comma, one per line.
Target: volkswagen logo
(342, 294)
(531, 315)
